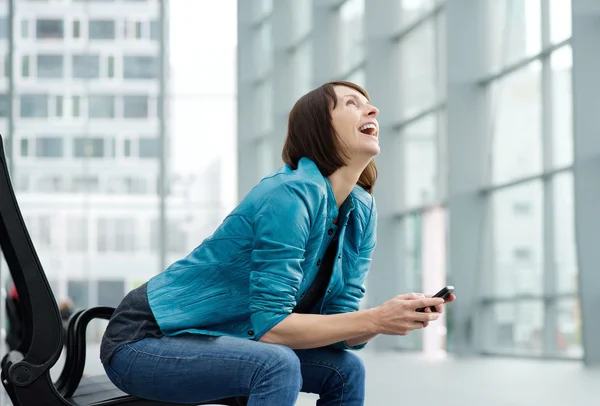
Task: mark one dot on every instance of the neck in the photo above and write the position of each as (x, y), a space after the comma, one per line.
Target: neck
(343, 181)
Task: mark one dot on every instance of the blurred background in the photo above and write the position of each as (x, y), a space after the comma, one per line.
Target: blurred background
(133, 127)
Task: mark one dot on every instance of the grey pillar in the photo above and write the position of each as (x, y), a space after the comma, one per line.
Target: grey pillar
(326, 40)
(586, 88)
(466, 129)
(247, 171)
(382, 75)
(282, 75)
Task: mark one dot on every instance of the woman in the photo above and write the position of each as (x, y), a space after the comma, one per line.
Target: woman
(265, 307)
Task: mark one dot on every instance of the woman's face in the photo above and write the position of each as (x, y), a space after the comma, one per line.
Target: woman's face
(354, 119)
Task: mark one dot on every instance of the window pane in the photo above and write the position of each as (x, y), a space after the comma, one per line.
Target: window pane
(101, 29)
(24, 29)
(516, 133)
(78, 291)
(124, 238)
(149, 147)
(49, 147)
(25, 68)
(561, 62)
(3, 28)
(412, 10)
(140, 67)
(155, 30)
(110, 293)
(352, 33)
(49, 29)
(34, 105)
(262, 48)
(50, 66)
(88, 147)
(515, 31)
(263, 107)
(135, 106)
(76, 100)
(77, 234)
(25, 147)
(568, 338)
(101, 106)
(86, 66)
(3, 105)
(560, 20)
(85, 184)
(76, 29)
(515, 327)
(418, 84)
(420, 169)
(58, 104)
(565, 254)
(517, 250)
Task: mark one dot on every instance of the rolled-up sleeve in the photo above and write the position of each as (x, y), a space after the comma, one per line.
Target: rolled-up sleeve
(354, 290)
(281, 231)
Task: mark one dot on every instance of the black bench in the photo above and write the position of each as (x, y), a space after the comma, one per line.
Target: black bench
(26, 369)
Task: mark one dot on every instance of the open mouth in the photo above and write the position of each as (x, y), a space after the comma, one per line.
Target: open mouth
(368, 129)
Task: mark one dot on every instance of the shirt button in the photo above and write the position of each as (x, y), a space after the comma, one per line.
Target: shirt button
(328, 290)
(340, 256)
(250, 333)
(318, 262)
(330, 231)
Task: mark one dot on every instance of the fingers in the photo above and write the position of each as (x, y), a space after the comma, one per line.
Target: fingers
(425, 317)
(426, 302)
(410, 296)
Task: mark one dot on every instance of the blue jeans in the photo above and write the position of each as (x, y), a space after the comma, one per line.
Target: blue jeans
(193, 368)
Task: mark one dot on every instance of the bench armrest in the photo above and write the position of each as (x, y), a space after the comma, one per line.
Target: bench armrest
(76, 347)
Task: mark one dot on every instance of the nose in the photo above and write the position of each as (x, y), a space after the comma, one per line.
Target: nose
(372, 111)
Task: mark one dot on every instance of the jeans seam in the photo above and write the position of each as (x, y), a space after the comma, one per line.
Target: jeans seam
(193, 358)
(315, 364)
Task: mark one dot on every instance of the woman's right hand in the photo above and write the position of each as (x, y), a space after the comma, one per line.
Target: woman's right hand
(399, 316)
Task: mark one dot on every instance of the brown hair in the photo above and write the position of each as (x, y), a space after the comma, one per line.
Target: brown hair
(310, 134)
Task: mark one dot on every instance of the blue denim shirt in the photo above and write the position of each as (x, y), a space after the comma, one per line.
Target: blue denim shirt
(249, 275)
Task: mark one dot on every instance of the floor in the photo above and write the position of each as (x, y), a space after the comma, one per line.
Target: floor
(401, 379)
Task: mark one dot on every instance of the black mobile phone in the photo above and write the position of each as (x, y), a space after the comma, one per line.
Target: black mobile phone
(444, 293)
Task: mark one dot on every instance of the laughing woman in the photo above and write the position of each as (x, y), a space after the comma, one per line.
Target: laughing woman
(268, 306)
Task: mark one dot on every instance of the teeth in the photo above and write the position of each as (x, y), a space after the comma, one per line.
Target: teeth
(364, 127)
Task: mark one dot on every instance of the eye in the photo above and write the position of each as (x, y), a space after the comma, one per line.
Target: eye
(350, 101)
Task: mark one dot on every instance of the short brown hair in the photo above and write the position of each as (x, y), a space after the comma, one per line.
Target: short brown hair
(310, 134)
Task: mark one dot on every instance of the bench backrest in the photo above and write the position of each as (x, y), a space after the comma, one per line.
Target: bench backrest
(42, 335)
